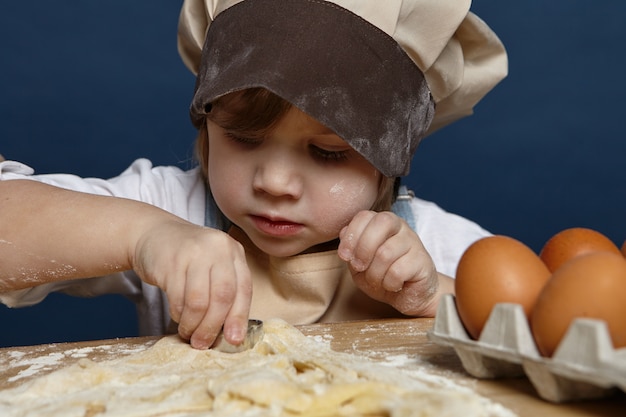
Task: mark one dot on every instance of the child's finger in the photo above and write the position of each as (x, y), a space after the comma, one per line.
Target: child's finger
(350, 235)
(418, 291)
(381, 227)
(390, 266)
(176, 297)
(222, 294)
(236, 323)
(196, 300)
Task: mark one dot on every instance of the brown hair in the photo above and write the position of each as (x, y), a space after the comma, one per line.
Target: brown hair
(255, 112)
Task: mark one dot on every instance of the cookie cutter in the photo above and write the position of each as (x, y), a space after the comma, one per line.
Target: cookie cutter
(253, 335)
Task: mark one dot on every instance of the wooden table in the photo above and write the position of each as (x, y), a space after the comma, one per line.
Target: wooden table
(403, 343)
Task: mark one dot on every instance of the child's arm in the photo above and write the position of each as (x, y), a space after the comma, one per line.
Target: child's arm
(50, 234)
(390, 264)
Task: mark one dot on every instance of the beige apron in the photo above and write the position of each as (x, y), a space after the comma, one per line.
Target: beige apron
(308, 288)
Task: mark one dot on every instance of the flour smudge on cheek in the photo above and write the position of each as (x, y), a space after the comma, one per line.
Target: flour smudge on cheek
(343, 202)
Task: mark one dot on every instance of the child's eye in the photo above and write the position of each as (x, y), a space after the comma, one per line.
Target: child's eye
(325, 155)
(241, 139)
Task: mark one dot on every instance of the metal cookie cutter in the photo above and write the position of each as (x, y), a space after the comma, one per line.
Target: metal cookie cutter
(253, 335)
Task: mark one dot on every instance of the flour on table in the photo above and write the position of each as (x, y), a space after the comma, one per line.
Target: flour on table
(30, 365)
(285, 374)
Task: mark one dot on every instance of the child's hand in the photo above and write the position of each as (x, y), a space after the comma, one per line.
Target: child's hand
(389, 263)
(205, 276)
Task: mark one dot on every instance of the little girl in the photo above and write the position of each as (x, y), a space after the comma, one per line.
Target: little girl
(308, 113)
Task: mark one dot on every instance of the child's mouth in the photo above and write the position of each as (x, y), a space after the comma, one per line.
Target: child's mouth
(277, 227)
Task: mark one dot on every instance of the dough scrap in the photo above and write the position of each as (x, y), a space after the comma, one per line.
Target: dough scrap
(285, 374)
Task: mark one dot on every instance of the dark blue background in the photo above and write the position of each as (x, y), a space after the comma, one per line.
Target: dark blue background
(86, 87)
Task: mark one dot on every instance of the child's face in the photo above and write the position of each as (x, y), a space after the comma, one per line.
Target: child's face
(293, 189)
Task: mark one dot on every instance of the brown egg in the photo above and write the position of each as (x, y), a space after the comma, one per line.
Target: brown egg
(496, 269)
(573, 242)
(591, 285)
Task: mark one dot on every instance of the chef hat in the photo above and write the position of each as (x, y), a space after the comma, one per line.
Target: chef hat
(382, 74)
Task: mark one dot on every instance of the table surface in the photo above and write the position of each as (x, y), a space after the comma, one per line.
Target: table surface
(403, 343)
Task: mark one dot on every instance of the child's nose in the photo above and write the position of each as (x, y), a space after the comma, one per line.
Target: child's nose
(278, 175)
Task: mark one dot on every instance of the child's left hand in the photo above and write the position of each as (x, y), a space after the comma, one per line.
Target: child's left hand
(390, 264)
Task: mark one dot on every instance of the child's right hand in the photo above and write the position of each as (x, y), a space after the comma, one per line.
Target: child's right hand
(203, 271)
(205, 276)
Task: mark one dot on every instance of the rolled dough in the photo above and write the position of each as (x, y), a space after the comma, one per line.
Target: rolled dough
(286, 374)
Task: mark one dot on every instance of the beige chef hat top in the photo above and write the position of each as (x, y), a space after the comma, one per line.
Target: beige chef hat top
(372, 70)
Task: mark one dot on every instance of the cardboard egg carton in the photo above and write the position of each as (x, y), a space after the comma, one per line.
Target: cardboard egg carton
(584, 366)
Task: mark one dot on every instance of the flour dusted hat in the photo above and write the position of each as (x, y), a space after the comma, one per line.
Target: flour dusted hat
(381, 74)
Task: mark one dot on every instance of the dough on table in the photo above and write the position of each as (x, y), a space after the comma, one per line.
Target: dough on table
(285, 374)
